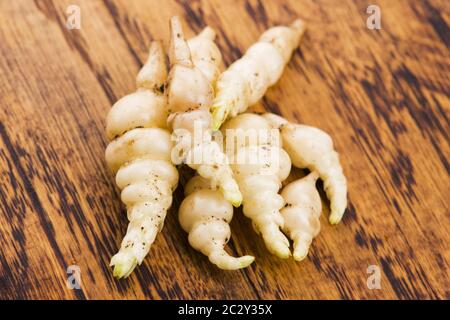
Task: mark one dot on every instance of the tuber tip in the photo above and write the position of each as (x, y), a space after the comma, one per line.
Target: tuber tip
(226, 262)
(299, 25)
(279, 248)
(208, 33)
(246, 261)
(300, 251)
(219, 115)
(335, 217)
(234, 197)
(123, 265)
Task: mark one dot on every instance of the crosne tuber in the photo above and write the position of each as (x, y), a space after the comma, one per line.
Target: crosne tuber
(312, 148)
(259, 165)
(301, 213)
(190, 94)
(205, 215)
(247, 79)
(139, 154)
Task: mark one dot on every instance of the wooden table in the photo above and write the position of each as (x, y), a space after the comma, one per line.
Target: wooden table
(383, 95)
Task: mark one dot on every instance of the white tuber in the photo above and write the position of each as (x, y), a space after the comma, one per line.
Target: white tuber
(190, 94)
(140, 152)
(259, 167)
(247, 79)
(301, 213)
(312, 148)
(140, 157)
(205, 215)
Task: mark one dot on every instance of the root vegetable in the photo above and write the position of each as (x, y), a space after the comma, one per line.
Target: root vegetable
(140, 152)
(301, 213)
(312, 148)
(247, 79)
(190, 93)
(140, 157)
(259, 167)
(205, 215)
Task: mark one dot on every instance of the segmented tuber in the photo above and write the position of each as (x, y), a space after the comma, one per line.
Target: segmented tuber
(190, 93)
(247, 79)
(312, 148)
(141, 151)
(205, 215)
(301, 213)
(139, 154)
(259, 166)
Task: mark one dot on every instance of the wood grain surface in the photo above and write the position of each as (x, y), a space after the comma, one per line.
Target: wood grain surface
(383, 95)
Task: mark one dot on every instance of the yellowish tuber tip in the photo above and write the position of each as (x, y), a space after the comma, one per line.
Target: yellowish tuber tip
(279, 248)
(234, 197)
(336, 214)
(226, 262)
(123, 265)
(335, 218)
(119, 271)
(219, 115)
(245, 261)
(300, 251)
